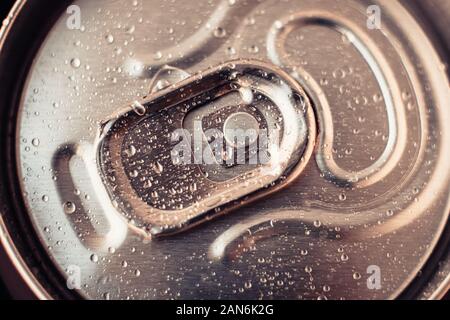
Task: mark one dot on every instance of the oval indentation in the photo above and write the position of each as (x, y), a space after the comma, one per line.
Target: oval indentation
(376, 167)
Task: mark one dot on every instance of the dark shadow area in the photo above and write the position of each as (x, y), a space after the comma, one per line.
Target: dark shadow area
(5, 6)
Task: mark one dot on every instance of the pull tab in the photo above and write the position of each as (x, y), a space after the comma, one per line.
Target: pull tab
(206, 145)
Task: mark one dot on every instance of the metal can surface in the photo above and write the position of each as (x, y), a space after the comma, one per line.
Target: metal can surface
(349, 200)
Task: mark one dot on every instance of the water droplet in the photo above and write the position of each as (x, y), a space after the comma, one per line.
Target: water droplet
(193, 187)
(69, 207)
(130, 151)
(131, 29)
(147, 184)
(157, 167)
(75, 62)
(249, 21)
(157, 55)
(231, 51)
(323, 82)
(278, 24)
(134, 173)
(109, 38)
(35, 142)
(406, 95)
(344, 257)
(377, 97)
(220, 32)
(253, 49)
(154, 194)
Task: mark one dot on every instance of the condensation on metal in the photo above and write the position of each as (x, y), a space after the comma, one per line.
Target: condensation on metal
(374, 194)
